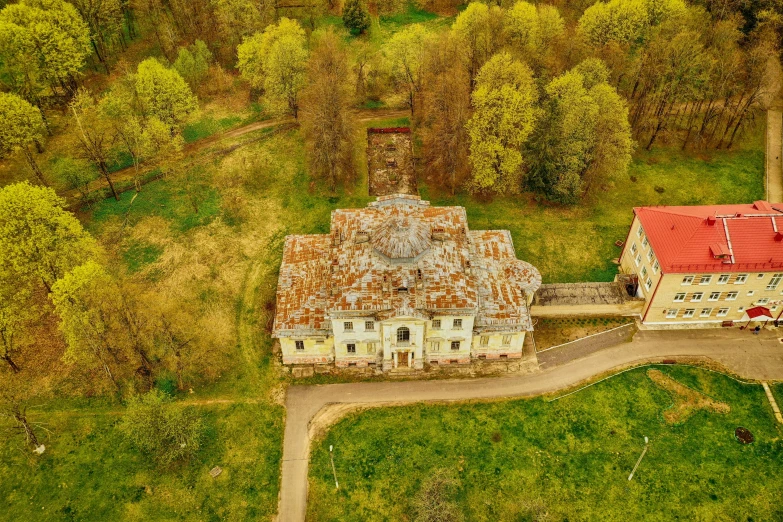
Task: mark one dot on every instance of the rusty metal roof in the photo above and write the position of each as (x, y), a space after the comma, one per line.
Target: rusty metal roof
(399, 256)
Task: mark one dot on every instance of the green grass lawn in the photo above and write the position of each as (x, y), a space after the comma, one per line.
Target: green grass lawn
(89, 472)
(569, 457)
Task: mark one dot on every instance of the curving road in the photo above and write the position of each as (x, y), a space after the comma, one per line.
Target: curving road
(749, 356)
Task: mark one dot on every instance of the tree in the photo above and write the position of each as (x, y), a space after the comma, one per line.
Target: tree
(22, 126)
(163, 93)
(533, 31)
(504, 116)
(276, 60)
(104, 17)
(39, 239)
(480, 29)
(445, 110)
(355, 16)
(51, 36)
(15, 312)
(90, 309)
(74, 174)
(162, 429)
(238, 19)
(193, 63)
(626, 21)
(94, 134)
(325, 104)
(405, 52)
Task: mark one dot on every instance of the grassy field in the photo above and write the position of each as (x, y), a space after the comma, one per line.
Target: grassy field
(515, 460)
(89, 472)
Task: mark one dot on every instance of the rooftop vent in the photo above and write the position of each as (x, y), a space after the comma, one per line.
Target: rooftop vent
(361, 237)
(711, 220)
(778, 236)
(719, 250)
(762, 205)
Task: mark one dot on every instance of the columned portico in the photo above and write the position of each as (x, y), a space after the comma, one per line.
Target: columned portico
(403, 342)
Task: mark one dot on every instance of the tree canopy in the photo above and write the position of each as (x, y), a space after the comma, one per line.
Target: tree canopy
(22, 126)
(505, 114)
(163, 93)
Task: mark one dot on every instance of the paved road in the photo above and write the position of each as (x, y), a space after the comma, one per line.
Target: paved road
(774, 149)
(752, 357)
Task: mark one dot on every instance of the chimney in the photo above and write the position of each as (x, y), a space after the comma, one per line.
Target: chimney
(711, 220)
(778, 237)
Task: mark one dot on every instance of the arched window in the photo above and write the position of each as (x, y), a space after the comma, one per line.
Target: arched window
(403, 335)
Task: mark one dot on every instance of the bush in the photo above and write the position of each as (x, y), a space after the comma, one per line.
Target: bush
(435, 500)
(162, 429)
(355, 16)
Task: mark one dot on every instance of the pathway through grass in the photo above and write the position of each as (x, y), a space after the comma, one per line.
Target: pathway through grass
(570, 458)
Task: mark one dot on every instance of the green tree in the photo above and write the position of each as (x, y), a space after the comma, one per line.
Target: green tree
(626, 21)
(74, 174)
(39, 239)
(104, 17)
(163, 93)
(480, 28)
(325, 104)
(355, 16)
(504, 116)
(22, 126)
(238, 19)
(276, 60)
(94, 134)
(162, 429)
(193, 63)
(51, 36)
(405, 52)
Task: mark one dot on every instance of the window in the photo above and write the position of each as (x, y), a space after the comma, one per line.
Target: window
(760, 276)
(696, 296)
(774, 282)
(638, 259)
(639, 231)
(350, 348)
(723, 279)
(455, 345)
(751, 292)
(435, 346)
(436, 323)
(705, 280)
(319, 341)
(649, 255)
(714, 296)
(299, 345)
(369, 326)
(506, 340)
(731, 296)
(633, 248)
(484, 340)
(741, 309)
(457, 324)
(689, 312)
(741, 278)
(656, 267)
(348, 326)
(705, 312)
(687, 280)
(371, 348)
(648, 283)
(403, 335)
(723, 312)
(679, 298)
(763, 301)
(644, 272)
(645, 243)
(671, 313)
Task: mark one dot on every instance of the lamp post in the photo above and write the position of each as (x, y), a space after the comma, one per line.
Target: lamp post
(334, 471)
(646, 441)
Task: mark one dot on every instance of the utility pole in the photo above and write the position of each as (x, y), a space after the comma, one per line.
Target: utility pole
(637, 462)
(334, 471)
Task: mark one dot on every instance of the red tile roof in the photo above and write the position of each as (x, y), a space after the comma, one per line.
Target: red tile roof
(400, 256)
(715, 238)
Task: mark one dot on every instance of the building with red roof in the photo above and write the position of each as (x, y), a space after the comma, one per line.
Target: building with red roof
(705, 264)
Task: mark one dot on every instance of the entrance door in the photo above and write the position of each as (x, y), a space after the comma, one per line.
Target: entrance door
(402, 359)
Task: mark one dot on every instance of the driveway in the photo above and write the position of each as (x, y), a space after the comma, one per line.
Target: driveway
(750, 356)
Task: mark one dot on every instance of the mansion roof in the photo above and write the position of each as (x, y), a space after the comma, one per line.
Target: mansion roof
(715, 238)
(399, 256)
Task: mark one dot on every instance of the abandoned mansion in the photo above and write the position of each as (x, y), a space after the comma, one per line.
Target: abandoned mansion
(399, 284)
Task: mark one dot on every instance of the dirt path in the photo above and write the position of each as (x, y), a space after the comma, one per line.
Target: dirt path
(752, 357)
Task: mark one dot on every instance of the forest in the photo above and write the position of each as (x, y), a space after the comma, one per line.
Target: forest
(154, 153)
